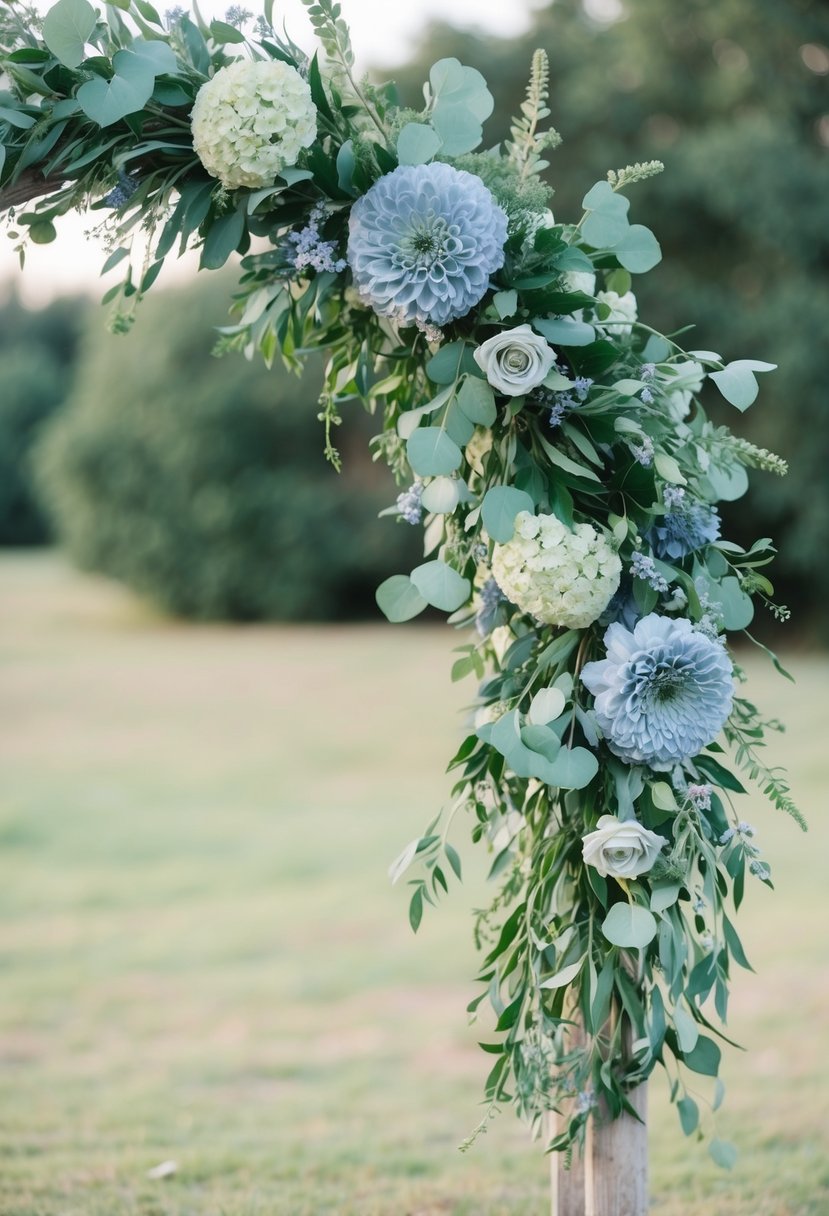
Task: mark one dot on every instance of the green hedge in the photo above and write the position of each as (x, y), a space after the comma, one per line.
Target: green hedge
(200, 482)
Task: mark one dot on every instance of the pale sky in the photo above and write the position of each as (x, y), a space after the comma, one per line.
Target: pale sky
(382, 32)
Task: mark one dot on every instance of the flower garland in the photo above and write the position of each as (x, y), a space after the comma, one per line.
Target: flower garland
(556, 449)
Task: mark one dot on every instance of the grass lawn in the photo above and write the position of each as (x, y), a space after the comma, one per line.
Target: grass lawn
(203, 961)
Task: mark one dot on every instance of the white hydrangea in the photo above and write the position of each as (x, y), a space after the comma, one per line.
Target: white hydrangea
(251, 121)
(558, 576)
(623, 312)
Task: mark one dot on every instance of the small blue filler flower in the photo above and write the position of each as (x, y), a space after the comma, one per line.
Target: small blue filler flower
(423, 243)
(685, 526)
(662, 693)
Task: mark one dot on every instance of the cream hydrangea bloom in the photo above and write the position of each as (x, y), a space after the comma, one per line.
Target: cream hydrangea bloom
(251, 120)
(558, 576)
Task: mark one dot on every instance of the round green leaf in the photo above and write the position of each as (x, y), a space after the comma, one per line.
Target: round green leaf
(573, 769)
(432, 453)
(398, 599)
(629, 925)
(500, 506)
(442, 495)
(638, 250)
(441, 586)
(458, 128)
(67, 28)
(417, 143)
(129, 90)
(477, 400)
(42, 232)
(546, 706)
(737, 381)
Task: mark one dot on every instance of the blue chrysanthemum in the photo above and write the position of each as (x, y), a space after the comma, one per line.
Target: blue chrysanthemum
(423, 242)
(662, 693)
(684, 528)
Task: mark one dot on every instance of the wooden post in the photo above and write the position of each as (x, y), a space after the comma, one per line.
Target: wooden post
(616, 1162)
(611, 1177)
(567, 1187)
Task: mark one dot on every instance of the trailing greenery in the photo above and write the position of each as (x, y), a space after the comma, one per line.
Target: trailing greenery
(557, 449)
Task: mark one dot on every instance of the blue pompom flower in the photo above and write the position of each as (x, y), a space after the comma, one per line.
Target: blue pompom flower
(423, 242)
(662, 693)
(684, 528)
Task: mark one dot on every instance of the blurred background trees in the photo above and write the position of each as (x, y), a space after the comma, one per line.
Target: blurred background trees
(38, 351)
(200, 482)
(731, 94)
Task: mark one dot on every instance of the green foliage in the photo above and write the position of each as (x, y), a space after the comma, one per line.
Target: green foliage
(719, 92)
(198, 481)
(37, 351)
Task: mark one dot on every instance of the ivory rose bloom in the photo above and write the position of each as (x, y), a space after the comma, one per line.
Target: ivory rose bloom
(515, 360)
(621, 848)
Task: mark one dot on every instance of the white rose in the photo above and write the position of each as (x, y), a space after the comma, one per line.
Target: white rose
(621, 848)
(516, 360)
(623, 312)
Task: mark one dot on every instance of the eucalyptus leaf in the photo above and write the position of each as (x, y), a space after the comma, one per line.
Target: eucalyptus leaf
(458, 129)
(688, 1115)
(705, 1057)
(500, 506)
(222, 239)
(563, 977)
(477, 400)
(442, 495)
(129, 90)
(542, 740)
(432, 453)
(565, 331)
(398, 599)
(687, 1031)
(606, 223)
(546, 706)
(629, 926)
(738, 383)
(736, 607)
(506, 303)
(573, 769)
(441, 586)
(67, 28)
(417, 143)
(638, 251)
(664, 895)
(452, 84)
(723, 1154)
(450, 362)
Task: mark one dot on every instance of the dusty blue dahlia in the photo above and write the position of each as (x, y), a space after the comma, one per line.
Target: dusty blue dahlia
(423, 242)
(684, 528)
(662, 693)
